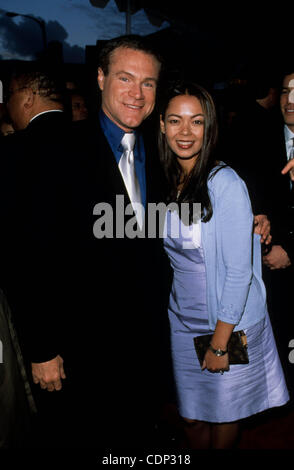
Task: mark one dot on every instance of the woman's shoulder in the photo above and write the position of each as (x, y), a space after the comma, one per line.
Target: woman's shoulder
(223, 174)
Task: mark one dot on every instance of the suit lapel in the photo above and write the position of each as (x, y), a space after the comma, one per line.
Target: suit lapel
(283, 152)
(105, 168)
(150, 169)
(108, 175)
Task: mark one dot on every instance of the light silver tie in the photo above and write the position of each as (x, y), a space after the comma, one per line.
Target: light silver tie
(291, 149)
(127, 169)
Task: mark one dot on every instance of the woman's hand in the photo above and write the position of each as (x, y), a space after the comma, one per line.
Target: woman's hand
(214, 363)
(219, 340)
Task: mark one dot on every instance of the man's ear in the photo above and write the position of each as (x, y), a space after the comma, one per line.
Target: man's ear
(29, 99)
(162, 125)
(100, 78)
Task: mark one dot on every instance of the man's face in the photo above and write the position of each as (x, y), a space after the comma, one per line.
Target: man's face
(16, 104)
(78, 107)
(129, 89)
(287, 101)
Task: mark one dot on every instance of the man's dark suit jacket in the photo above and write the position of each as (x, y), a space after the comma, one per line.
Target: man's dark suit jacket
(30, 195)
(118, 286)
(255, 148)
(280, 281)
(248, 148)
(282, 199)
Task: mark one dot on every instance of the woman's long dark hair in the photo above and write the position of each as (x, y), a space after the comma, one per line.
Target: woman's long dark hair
(195, 186)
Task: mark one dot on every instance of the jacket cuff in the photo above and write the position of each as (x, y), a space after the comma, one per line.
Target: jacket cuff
(228, 315)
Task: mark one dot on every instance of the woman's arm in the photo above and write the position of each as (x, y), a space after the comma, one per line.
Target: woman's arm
(234, 239)
(234, 227)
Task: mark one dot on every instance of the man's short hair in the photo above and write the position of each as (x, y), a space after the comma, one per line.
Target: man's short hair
(131, 41)
(48, 85)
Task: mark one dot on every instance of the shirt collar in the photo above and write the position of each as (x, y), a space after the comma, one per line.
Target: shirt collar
(114, 133)
(288, 133)
(49, 111)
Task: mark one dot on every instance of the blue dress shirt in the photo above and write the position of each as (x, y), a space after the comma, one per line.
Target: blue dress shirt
(114, 135)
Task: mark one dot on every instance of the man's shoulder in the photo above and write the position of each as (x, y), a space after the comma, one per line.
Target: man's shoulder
(44, 127)
(87, 129)
(48, 117)
(89, 149)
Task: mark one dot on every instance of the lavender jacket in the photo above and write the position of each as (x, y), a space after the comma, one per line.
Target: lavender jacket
(235, 290)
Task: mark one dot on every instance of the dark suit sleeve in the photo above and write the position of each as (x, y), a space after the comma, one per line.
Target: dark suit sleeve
(285, 234)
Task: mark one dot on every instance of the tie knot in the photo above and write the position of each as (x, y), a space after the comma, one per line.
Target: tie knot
(128, 141)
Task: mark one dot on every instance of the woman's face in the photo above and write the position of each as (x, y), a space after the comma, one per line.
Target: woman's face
(183, 127)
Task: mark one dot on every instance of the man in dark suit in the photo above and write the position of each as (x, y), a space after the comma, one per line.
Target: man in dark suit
(30, 163)
(280, 260)
(281, 255)
(30, 194)
(123, 290)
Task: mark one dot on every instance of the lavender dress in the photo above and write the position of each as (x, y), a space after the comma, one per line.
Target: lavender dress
(202, 395)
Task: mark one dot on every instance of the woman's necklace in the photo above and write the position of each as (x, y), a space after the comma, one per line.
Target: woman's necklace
(181, 186)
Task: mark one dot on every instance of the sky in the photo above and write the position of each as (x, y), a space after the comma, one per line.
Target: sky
(76, 23)
(218, 42)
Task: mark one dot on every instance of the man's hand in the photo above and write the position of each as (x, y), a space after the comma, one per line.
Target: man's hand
(262, 227)
(289, 168)
(49, 374)
(277, 258)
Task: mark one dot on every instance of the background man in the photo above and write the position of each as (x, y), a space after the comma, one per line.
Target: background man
(280, 259)
(257, 150)
(30, 195)
(281, 254)
(78, 103)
